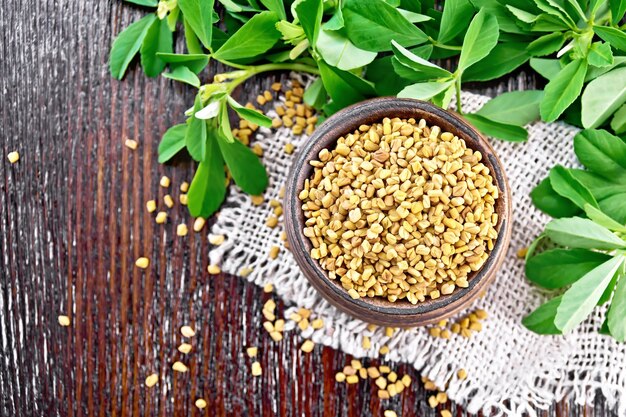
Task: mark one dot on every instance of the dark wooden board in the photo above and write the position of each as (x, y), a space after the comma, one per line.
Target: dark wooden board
(72, 222)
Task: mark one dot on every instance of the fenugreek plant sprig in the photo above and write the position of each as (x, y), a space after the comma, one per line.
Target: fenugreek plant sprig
(589, 231)
(355, 46)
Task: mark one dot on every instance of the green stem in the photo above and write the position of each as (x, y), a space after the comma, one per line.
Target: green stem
(258, 69)
(443, 45)
(457, 86)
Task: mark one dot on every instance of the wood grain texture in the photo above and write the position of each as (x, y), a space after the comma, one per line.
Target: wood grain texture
(72, 222)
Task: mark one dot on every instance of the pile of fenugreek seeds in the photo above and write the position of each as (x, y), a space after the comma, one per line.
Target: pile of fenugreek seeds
(400, 210)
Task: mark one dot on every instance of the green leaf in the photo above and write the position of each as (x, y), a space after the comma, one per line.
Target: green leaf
(422, 66)
(310, 15)
(244, 166)
(618, 124)
(515, 108)
(608, 291)
(224, 123)
(414, 17)
(582, 297)
(547, 68)
(576, 232)
(616, 316)
(546, 44)
(233, 7)
(250, 115)
(554, 9)
(172, 19)
(601, 152)
(541, 321)
(615, 206)
(208, 188)
(198, 14)
(158, 39)
(173, 141)
(373, 24)
(195, 62)
(344, 87)
(335, 22)
(563, 89)
(338, 51)
(615, 37)
(191, 40)
(127, 44)
(455, 18)
(502, 59)
(602, 97)
(618, 8)
(557, 268)
(603, 219)
(255, 37)
(600, 55)
(564, 183)
(183, 74)
(599, 186)
(315, 94)
(595, 72)
(276, 6)
(551, 203)
(480, 39)
(149, 3)
(425, 91)
(497, 130)
(196, 135)
(522, 15)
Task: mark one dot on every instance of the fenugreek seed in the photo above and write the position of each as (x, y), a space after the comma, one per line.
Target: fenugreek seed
(445, 334)
(161, 217)
(383, 394)
(165, 181)
(257, 150)
(151, 380)
(256, 369)
(181, 230)
(151, 206)
(384, 369)
(131, 144)
(245, 271)
(261, 100)
(216, 239)
(142, 262)
(179, 367)
(366, 342)
(274, 250)
(64, 320)
(384, 350)
(461, 374)
(268, 96)
(392, 377)
(272, 221)
(434, 331)
(317, 324)
(198, 224)
(276, 86)
(340, 377)
(184, 187)
(214, 269)
(442, 397)
(446, 413)
(307, 346)
(268, 288)
(13, 157)
(257, 199)
(352, 292)
(356, 364)
(389, 331)
(183, 199)
(373, 372)
(276, 336)
(184, 348)
(289, 148)
(295, 317)
(432, 401)
(406, 380)
(200, 403)
(303, 324)
(187, 331)
(352, 379)
(390, 413)
(481, 314)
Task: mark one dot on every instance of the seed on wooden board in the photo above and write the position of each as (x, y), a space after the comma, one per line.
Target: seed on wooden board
(142, 262)
(252, 351)
(256, 369)
(268, 288)
(442, 397)
(184, 348)
(165, 181)
(279, 325)
(198, 224)
(352, 379)
(131, 144)
(214, 269)
(274, 251)
(268, 95)
(373, 372)
(390, 413)
(151, 206)
(307, 346)
(406, 380)
(340, 377)
(276, 86)
(384, 369)
(261, 99)
(446, 413)
(183, 199)
(63, 320)
(168, 200)
(383, 394)
(151, 380)
(161, 217)
(179, 367)
(432, 401)
(392, 377)
(184, 187)
(13, 157)
(200, 403)
(276, 336)
(381, 382)
(182, 230)
(187, 331)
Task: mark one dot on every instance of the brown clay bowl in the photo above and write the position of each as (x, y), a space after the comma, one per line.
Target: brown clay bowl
(379, 310)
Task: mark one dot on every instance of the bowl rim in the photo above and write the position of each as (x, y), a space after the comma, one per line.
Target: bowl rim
(325, 136)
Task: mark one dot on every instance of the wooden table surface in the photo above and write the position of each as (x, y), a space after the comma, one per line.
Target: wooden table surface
(72, 223)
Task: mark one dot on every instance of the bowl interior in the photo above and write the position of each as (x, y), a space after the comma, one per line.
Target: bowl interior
(347, 121)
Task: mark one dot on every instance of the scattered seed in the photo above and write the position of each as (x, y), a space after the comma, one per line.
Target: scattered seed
(307, 346)
(184, 187)
(257, 199)
(352, 379)
(383, 394)
(200, 403)
(366, 342)
(461, 374)
(131, 144)
(13, 157)
(214, 269)
(161, 217)
(184, 348)
(340, 377)
(442, 397)
(289, 148)
(392, 377)
(521, 253)
(267, 95)
(432, 401)
(276, 86)
(151, 380)
(183, 199)
(64, 320)
(181, 229)
(216, 239)
(151, 206)
(276, 336)
(165, 181)
(198, 224)
(384, 350)
(179, 367)
(272, 222)
(187, 331)
(406, 381)
(390, 413)
(384, 369)
(256, 369)
(245, 271)
(252, 351)
(446, 413)
(317, 324)
(142, 262)
(168, 200)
